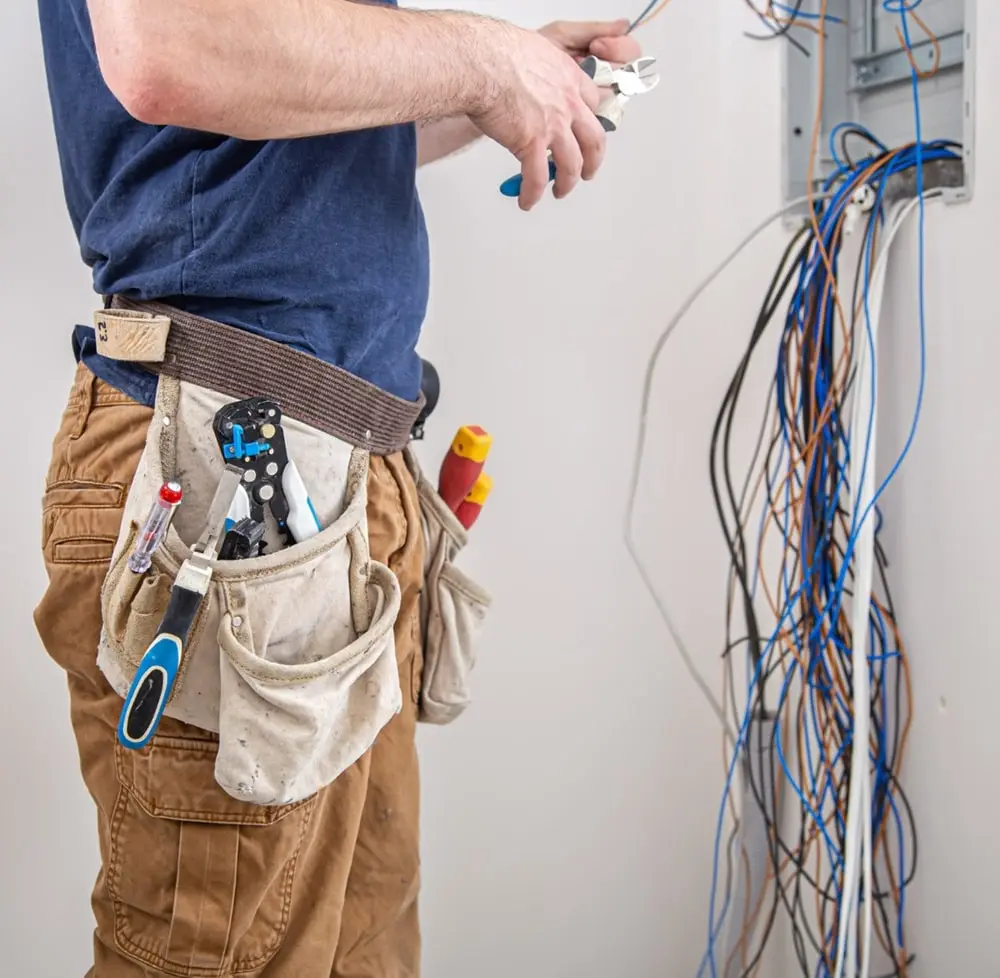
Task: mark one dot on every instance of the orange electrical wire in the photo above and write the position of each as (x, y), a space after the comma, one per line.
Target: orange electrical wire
(935, 44)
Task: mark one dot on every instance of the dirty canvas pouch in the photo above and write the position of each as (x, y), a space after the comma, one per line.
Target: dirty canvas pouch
(291, 657)
(453, 608)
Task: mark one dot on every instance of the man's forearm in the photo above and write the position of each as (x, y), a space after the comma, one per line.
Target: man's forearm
(289, 68)
(442, 137)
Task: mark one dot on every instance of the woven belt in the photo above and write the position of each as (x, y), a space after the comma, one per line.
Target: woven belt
(241, 364)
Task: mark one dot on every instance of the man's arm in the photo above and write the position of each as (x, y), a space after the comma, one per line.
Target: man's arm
(290, 68)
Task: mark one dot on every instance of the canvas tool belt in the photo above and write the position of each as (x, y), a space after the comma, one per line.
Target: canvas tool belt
(291, 658)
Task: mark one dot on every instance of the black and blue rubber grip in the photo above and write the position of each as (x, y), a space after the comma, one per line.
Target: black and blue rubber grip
(154, 679)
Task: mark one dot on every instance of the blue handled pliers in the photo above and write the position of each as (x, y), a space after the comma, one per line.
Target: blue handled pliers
(634, 78)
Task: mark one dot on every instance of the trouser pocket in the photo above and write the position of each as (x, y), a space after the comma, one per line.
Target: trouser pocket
(290, 658)
(453, 608)
(201, 883)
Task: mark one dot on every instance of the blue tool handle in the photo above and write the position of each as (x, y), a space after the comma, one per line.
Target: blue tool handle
(154, 679)
(512, 186)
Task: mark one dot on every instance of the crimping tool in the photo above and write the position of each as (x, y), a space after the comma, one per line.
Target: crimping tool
(634, 78)
(251, 437)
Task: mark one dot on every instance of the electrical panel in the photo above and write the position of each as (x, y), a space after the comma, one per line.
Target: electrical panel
(863, 72)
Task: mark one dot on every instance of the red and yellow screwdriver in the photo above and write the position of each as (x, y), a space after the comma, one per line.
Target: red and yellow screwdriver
(462, 483)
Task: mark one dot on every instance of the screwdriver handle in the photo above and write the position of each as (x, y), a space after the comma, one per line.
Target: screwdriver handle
(470, 507)
(154, 679)
(463, 464)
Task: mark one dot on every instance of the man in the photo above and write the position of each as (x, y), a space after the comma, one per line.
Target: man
(251, 163)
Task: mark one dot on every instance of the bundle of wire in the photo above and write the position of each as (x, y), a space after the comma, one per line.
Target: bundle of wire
(813, 457)
(826, 667)
(825, 720)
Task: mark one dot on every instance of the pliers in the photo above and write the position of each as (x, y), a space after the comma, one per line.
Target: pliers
(634, 78)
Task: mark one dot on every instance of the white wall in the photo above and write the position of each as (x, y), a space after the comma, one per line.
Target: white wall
(568, 818)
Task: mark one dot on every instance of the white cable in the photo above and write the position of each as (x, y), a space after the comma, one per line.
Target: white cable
(858, 855)
(647, 387)
(863, 430)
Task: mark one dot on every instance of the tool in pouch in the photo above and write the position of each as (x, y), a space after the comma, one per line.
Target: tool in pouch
(462, 483)
(472, 505)
(155, 528)
(154, 679)
(250, 436)
(626, 82)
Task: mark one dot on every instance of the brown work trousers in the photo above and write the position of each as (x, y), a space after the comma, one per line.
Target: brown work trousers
(192, 882)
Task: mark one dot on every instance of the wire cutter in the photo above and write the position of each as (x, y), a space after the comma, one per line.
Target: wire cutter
(626, 82)
(635, 78)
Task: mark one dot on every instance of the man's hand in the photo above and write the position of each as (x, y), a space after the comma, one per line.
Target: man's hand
(544, 102)
(606, 40)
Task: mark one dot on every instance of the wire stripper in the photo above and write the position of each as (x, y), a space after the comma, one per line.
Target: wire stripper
(251, 437)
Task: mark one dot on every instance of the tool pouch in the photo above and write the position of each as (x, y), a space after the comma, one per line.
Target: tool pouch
(291, 658)
(453, 608)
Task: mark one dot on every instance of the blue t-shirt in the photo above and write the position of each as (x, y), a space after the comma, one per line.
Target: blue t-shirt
(319, 243)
